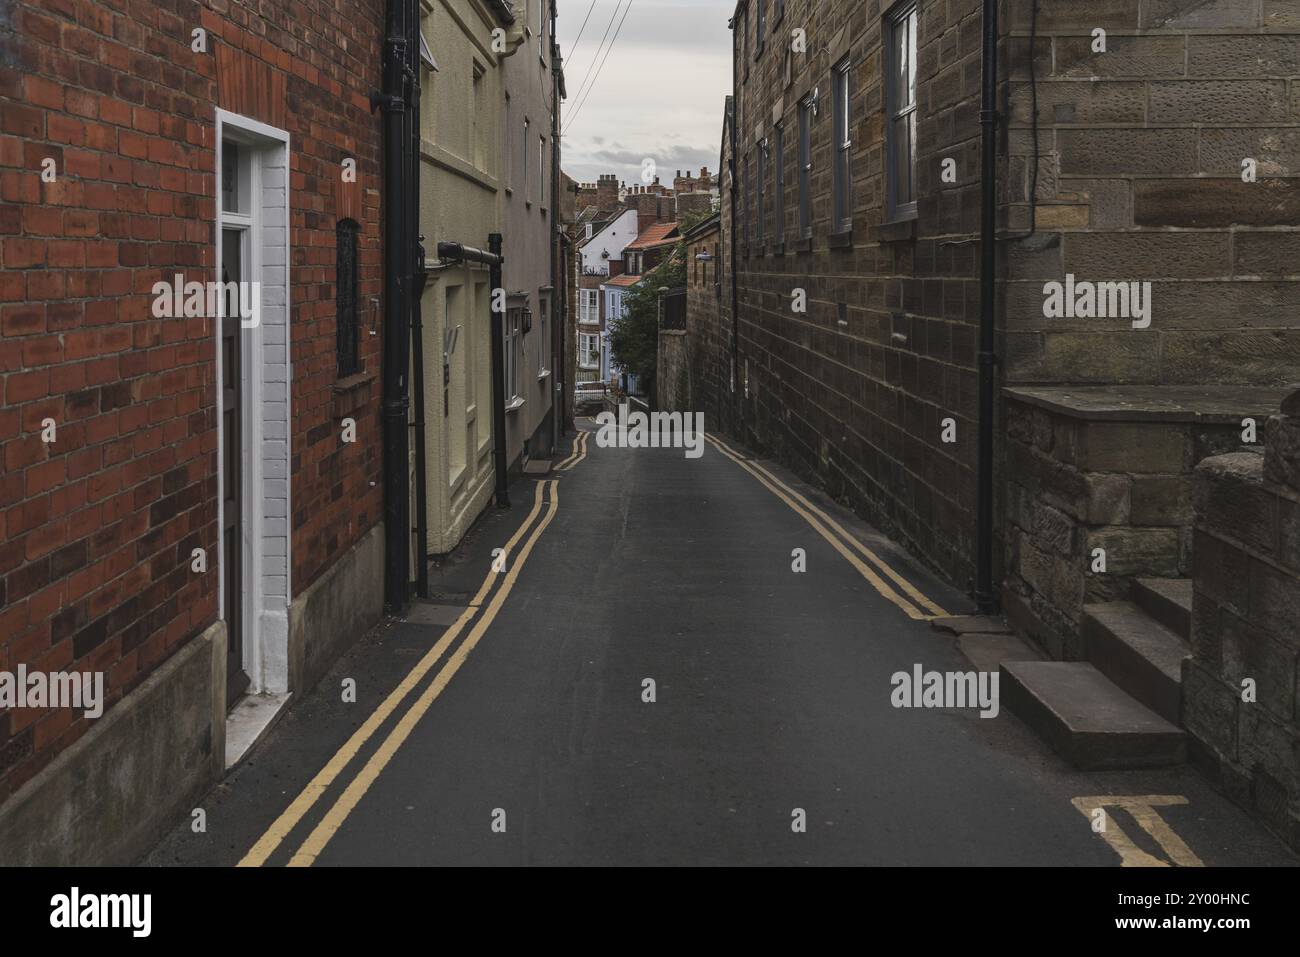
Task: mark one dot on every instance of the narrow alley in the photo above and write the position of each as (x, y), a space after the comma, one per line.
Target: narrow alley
(771, 694)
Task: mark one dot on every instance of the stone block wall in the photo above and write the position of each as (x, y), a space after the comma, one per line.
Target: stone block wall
(1140, 152)
(1078, 480)
(1246, 625)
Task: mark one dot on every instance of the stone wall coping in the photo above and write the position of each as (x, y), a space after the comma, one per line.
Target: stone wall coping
(1247, 466)
(1225, 405)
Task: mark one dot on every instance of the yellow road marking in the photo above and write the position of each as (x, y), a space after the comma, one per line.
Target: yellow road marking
(303, 803)
(907, 587)
(334, 818)
(875, 580)
(572, 455)
(1143, 810)
(579, 453)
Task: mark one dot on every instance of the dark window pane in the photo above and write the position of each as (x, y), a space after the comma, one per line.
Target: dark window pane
(345, 299)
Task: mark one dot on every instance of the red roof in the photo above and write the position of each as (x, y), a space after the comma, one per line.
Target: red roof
(657, 235)
(623, 281)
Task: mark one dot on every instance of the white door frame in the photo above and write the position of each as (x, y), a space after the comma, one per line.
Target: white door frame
(265, 619)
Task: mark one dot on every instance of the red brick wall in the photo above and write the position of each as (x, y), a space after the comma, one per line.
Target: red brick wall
(96, 529)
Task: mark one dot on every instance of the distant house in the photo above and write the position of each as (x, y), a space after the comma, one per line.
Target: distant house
(649, 248)
(643, 254)
(600, 255)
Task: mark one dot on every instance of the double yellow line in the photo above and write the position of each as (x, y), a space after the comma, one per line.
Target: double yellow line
(579, 452)
(334, 818)
(897, 589)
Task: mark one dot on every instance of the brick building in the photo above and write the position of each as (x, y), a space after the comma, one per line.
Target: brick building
(139, 146)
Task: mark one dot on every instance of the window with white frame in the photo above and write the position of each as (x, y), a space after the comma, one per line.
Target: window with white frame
(589, 306)
(589, 350)
(842, 172)
(514, 352)
(900, 114)
(543, 340)
(541, 29)
(541, 170)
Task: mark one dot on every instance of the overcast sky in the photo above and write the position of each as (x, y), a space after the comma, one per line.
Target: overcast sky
(660, 94)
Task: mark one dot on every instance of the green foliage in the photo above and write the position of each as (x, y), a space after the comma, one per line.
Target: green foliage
(634, 339)
(692, 219)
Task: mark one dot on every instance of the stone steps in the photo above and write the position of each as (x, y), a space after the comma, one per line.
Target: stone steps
(1087, 718)
(1138, 653)
(1168, 601)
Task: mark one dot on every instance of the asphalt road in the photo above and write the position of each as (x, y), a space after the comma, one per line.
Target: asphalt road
(771, 697)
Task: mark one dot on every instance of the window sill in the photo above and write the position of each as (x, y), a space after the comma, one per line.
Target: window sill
(900, 230)
(801, 245)
(354, 381)
(515, 405)
(350, 392)
(841, 240)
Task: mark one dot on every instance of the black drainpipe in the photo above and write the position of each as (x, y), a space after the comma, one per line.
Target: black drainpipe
(736, 405)
(397, 332)
(458, 252)
(557, 290)
(498, 370)
(418, 279)
(986, 597)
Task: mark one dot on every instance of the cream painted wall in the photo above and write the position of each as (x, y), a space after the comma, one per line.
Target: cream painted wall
(528, 209)
(462, 120)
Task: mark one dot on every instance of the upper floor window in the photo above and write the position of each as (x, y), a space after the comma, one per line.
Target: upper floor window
(900, 114)
(762, 192)
(541, 170)
(843, 168)
(345, 297)
(760, 27)
(780, 184)
(589, 306)
(524, 185)
(748, 197)
(744, 39)
(805, 168)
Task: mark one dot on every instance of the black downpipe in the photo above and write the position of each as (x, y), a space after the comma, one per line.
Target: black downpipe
(498, 371)
(558, 387)
(736, 406)
(397, 333)
(986, 597)
(418, 277)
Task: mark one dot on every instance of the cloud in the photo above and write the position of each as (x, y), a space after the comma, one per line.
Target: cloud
(660, 93)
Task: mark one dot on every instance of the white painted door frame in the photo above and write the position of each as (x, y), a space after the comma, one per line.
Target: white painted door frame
(265, 619)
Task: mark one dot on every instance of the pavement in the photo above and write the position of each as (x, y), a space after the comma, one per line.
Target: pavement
(646, 680)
